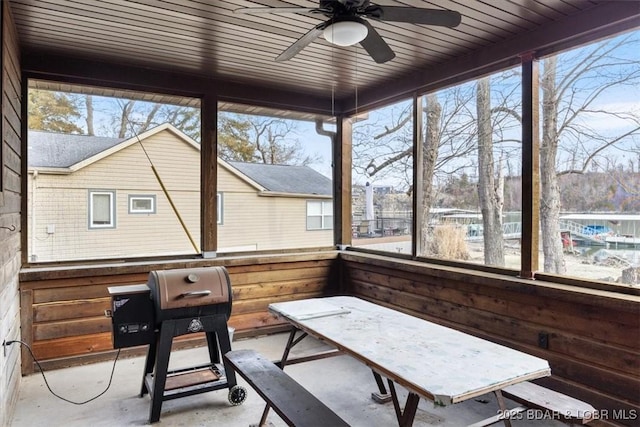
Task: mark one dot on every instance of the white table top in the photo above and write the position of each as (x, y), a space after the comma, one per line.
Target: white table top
(433, 361)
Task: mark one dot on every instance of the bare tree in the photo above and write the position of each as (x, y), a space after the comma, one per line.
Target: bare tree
(126, 125)
(130, 117)
(383, 147)
(572, 98)
(88, 103)
(258, 139)
(431, 143)
(275, 142)
(490, 179)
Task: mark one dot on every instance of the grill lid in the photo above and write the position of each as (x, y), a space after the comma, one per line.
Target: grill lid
(190, 287)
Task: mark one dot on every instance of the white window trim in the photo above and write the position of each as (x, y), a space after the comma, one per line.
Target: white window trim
(219, 209)
(151, 197)
(112, 208)
(324, 224)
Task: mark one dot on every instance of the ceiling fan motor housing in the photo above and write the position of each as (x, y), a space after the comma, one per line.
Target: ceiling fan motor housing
(345, 25)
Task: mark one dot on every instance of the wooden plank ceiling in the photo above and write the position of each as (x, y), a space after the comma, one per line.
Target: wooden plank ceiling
(207, 39)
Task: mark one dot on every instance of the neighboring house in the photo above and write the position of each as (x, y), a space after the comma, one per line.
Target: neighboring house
(96, 197)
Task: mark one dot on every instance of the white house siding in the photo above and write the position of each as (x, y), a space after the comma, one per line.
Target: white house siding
(250, 221)
(263, 222)
(62, 201)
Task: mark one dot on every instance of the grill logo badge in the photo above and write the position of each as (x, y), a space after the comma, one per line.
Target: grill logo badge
(195, 326)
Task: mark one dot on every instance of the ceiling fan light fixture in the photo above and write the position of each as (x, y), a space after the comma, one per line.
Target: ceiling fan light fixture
(345, 33)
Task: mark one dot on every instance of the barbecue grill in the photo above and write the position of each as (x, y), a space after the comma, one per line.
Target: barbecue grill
(191, 293)
(173, 303)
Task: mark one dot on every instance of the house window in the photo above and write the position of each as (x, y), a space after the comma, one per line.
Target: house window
(319, 215)
(219, 208)
(142, 204)
(102, 209)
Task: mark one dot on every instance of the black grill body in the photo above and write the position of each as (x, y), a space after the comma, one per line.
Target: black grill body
(173, 303)
(132, 315)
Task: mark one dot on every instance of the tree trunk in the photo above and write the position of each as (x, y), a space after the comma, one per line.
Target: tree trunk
(431, 142)
(150, 117)
(124, 118)
(88, 102)
(489, 188)
(550, 190)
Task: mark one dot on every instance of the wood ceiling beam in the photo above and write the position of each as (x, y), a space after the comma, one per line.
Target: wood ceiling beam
(83, 71)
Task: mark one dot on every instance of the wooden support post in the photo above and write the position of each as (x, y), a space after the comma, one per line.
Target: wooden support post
(530, 168)
(419, 220)
(26, 327)
(342, 182)
(209, 175)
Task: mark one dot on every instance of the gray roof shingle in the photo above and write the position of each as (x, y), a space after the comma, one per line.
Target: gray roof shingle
(286, 179)
(58, 150)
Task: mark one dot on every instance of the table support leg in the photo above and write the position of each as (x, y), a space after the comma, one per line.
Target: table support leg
(503, 406)
(291, 342)
(406, 416)
(382, 396)
(263, 419)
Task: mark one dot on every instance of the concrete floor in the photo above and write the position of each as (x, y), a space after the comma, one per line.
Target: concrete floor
(340, 382)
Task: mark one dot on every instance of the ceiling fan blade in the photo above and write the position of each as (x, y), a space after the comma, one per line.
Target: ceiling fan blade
(301, 43)
(259, 10)
(415, 15)
(375, 45)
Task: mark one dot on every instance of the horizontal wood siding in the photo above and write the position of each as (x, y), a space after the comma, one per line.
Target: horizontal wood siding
(65, 307)
(594, 345)
(593, 349)
(10, 208)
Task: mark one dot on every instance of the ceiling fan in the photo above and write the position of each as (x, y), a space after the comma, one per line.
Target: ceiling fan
(346, 25)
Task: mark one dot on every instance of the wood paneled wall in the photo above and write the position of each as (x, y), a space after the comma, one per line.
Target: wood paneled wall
(593, 335)
(10, 199)
(63, 308)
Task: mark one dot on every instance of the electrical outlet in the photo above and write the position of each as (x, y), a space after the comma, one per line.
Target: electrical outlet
(6, 344)
(543, 340)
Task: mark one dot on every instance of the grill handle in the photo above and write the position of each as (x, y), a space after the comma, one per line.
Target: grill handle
(196, 294)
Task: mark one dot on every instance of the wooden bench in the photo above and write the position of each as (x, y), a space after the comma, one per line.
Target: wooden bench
(553, 406)
(292, 402)
(562, 407)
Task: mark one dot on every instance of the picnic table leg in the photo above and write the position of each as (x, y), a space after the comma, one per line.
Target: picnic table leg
(383, 396)
(291, 342)
(406, 416)
(263, 419)
(503, 406)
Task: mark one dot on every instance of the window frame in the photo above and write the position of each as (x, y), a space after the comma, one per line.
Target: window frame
(133, 197)
(219, 208)
(324, 224)
(112, 209)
